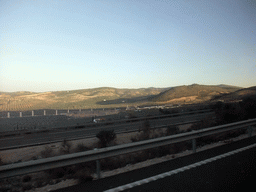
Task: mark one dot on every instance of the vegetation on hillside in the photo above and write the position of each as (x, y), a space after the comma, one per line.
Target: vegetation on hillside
(198, 91)
(73, 99)
(106, 97)
(236, 95)
(237, 111)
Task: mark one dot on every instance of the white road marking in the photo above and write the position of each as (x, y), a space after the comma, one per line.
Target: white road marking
(162, 175)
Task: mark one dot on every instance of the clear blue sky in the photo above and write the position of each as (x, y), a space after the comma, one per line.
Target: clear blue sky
(49, 45)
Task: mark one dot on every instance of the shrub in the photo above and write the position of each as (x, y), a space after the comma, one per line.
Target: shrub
(61, 172)
(204, 123)
(105, 137)
(26, 187)
(249, 106)
(65, 147)
(26, 178)
(83, 175)
(1, 162)
(134, 139)
(171, 130)
(232, 112)
(47, 152)
(56, 173)
(81, 147)
(145, 131)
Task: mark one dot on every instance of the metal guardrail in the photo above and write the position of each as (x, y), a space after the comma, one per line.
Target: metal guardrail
(96, 155)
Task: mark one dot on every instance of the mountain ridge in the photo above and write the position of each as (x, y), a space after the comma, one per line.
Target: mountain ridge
(194, 90)
(103, 97)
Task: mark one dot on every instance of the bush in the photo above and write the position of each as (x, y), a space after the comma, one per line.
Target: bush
(56, 173)
(83, 175)
(61, 172)
(145, 131)
(26, 179)
(47, 152)
(81, 147)
(26, 187)
(204, 123)
(1, 162)
(171, 130)
(249, 106)
(106, 137)
(232, 112)
(65, 147)
(134, 139)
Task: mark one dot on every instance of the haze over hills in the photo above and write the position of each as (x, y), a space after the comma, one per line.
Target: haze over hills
(105, 97)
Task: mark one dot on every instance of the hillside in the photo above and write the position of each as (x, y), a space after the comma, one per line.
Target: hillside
(105, 97)
(237, 95)
(193, 93)
(73, 99)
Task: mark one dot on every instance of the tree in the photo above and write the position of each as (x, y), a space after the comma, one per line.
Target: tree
(146, 130)
(106, 136)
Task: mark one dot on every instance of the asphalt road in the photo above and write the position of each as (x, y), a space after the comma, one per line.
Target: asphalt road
(226, 174)
(41, 138)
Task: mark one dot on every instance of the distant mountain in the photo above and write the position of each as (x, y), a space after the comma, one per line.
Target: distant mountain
(104, 97)
(236, 95)
(84, 98)
(193, 93)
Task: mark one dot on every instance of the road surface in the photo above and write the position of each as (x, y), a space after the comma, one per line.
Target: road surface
(226, 174)
(50, 137)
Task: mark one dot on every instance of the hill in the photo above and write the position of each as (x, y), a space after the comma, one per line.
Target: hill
(236, 95)
(105, 97)
(193, 93)
(73, 99)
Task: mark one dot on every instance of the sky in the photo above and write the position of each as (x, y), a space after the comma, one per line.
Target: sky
(54, 45)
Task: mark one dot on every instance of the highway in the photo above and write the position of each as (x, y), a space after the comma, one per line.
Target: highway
(51, 137)
(225, 174)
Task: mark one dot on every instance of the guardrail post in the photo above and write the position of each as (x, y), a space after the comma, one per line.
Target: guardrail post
(194, 145)
(56, 112)
(20, 114)
(8, 115)
(44, 112)
(249, 129)
(33, 113)
(97, 166)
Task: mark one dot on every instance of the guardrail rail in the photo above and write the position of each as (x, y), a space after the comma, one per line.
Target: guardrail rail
(95, 155)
